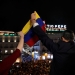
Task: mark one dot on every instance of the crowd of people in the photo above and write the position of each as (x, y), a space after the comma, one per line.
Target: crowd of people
(40, 67)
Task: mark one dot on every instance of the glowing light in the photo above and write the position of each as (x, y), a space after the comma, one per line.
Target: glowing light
(32, 54)
(14, 40)
(8, 40)
(48, 56)
(3, 40)
(51, 56)
(18, 60)
(43, 57)
(6, 51)
(12, 51)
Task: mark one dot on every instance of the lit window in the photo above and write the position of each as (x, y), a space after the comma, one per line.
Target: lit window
(6, 51)
(51, 56)
(3, 40)
(0, 60)
(14, 40)
(11, 51)
(8, 40)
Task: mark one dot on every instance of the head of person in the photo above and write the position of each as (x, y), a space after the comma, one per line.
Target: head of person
(68, 35)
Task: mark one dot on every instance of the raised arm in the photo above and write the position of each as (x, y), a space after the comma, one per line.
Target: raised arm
(42, 36)
(7, 62)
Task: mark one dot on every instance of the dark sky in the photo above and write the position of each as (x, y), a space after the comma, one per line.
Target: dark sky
(15, 13)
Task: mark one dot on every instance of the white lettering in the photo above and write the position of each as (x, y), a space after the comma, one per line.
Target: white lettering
(58, 26)
(62, 26)
(55, 26)
(51, 26)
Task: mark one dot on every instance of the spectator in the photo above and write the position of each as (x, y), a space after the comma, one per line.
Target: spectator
(63, 52)
(7, 62)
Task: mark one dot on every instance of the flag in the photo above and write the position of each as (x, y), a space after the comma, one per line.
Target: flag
(30, 37)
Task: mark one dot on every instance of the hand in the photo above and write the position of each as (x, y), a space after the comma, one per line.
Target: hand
(21, 34)
(33, 18)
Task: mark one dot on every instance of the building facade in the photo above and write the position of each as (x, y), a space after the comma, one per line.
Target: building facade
(8, 43)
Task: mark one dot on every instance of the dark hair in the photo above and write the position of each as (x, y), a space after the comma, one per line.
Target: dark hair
(68, 35)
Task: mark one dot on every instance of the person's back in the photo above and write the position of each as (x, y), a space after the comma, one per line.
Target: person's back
(63, 51)
(63, 59)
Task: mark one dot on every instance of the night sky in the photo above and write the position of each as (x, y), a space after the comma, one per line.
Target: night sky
(15, 13)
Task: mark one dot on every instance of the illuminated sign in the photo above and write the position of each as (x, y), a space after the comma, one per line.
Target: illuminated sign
(10, 34)
(55, 27)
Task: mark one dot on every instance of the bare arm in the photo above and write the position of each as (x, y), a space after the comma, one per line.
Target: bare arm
(21, 43)
(7, 62)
